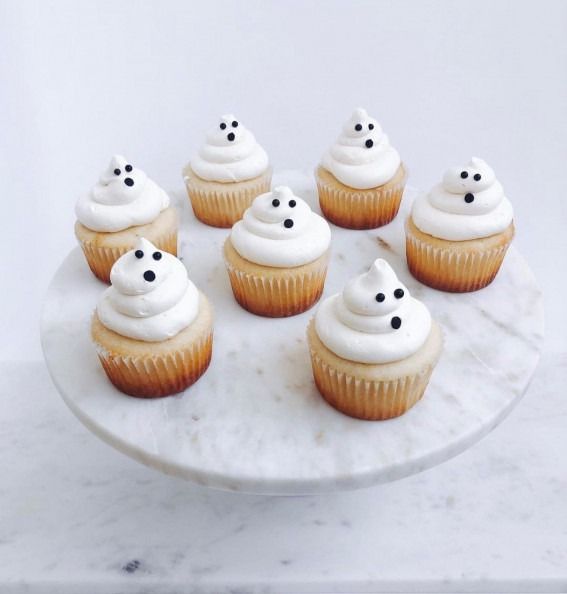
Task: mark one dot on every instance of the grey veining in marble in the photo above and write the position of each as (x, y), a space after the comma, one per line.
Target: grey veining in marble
(78, 517)
(255, 421)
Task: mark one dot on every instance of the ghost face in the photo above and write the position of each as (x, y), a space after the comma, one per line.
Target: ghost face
(139, 271)
(362, 130)
(121, 182)
(278, 206)
(279, 214)
(375, 302)
(376, 293)
(227, 133)
(474, 177)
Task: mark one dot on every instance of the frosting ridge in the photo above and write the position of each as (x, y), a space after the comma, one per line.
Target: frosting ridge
(374, 320)
(151, 297)
(279, 229)
(123, 197)
(362, 156)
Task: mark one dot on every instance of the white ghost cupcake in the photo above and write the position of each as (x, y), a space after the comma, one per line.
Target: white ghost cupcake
(458, 233)
(373, 347)
(124, 205)
(277, 255)
(361, 177)
(152, 328)
(228, 172)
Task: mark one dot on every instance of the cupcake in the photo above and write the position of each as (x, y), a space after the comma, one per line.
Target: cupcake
(123, 206)
(373, 346)
(152, 328)
(458, 234)
(361, 177)
(276, 256)
(229, 171)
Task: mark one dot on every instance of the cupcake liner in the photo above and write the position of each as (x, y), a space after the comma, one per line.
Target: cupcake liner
(364, 398)
(454, 266)
(155, 369)
(281, 293)
(222, 204)
(160, 375)
(103, 249)
(101, 259)
(359, 209)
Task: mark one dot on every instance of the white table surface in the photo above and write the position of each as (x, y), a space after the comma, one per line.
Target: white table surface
(447, 80)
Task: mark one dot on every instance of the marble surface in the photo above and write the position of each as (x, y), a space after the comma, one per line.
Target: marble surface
(77, 516)
(255, 422)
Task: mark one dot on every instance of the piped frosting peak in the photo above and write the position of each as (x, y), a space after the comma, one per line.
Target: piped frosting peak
(362, 156)
(374, 320)
(280, 229)
(151, 298)
(468, 204)
(123, 197)
(230, 153)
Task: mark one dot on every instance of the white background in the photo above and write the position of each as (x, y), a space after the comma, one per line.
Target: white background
(447, 80)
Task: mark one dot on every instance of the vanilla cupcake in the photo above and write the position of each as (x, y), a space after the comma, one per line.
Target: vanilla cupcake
(228, 172)
(458, 233)
(373, 346)
(277, 255)
(361, 178)
(123, 206)
(152, 328)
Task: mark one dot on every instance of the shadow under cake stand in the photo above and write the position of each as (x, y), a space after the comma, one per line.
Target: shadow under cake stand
(255, 421)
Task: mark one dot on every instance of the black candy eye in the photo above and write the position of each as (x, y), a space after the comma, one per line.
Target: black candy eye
(398, 293)
(150, 276)
(371, 126)
(139, 254)
(235, 124)
(396, 322)
(292, 203)
(380, 297)
(464, 174)
(156, 255)
(128, 168)
(477, 177)
(358, 127)
(275, 202)
(288, 223)
(223, 126)
(369, 143)
(117, 172)
(231, 136)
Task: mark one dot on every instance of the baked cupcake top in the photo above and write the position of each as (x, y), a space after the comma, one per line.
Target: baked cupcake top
(279, 229)
(151, 298)
(374, 320)
(123, 197)
(468, 204)
(230, 153)
(362, 157)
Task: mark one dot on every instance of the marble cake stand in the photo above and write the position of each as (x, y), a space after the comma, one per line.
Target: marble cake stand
(255, 421)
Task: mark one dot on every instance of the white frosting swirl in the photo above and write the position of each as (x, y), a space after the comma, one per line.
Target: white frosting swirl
(151, 297)
(374, 320)
(230, 153)
(279, 229)
(123, 197)
(362, 157)
(468, 204)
